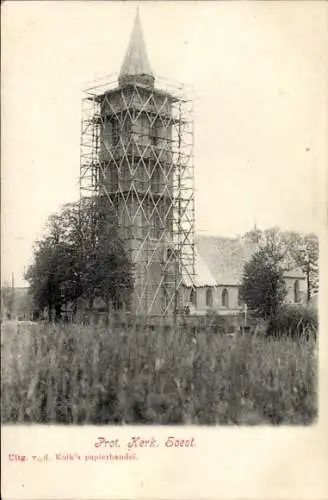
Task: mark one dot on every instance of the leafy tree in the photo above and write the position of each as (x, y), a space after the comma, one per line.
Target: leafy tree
(304, 250)
(51, 276)
(263, 287)
(296, 250)
(275, 243)
(81, 255)
(108, 268)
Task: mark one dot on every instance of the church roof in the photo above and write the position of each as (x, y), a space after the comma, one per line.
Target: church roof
(225, 257)
(136, 64)
(220, 261)
(203, 276)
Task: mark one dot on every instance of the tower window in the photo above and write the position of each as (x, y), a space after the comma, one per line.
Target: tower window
(155, 179)
(209, 297)
(225, 298)
(115, 131)
(155, 225)
(153, 134)
(107, 134)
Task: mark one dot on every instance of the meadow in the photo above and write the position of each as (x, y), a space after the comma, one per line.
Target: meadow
(75, 374)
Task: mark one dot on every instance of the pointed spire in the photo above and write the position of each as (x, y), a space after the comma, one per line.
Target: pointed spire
(136, 67)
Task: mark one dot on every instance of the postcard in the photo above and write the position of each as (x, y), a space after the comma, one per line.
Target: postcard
(164, 243)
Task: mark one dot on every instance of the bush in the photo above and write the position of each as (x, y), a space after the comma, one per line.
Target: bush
(294, 321)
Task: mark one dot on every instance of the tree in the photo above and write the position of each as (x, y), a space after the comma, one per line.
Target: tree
(304, 250)
(275, 243)
(108, 270)
(52, 274)
(81, 255)
(297, 250)
(263, 287)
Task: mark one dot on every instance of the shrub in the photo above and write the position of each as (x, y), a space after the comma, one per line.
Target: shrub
(294, 321)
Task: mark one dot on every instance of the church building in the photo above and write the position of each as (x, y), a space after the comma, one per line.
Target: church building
(219, 265)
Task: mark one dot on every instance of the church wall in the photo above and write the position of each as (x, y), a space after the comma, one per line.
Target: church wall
(233, 302)
(221, 306)
(201, 305)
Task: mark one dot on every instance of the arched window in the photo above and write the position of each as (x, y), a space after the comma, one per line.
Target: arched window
(115, 131)
(240, 301)
(209, 297)
(193, 297)
(225, 298)
(107, 134)
(297, 297)
(153, 132)
(155, 179)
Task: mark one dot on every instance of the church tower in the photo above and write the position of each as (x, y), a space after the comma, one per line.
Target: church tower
(135, 152)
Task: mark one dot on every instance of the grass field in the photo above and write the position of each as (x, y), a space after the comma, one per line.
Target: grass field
(75, 374)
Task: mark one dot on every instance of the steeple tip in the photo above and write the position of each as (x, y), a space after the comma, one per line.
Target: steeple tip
(136, 67)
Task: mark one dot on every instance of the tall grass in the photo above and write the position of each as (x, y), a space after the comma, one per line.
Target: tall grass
(97, 375)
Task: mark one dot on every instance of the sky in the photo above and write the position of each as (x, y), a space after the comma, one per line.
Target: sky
(259, 77)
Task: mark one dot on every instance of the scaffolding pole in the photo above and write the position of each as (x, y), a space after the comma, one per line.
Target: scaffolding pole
(137, 152)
